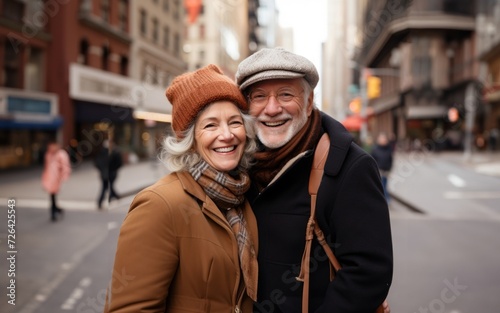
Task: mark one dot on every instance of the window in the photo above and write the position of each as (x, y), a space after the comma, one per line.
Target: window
(166, 37)
(105, 10)
(202, 31)
(123, 15)
(150, 74)
(34, 70)
(13, 10)
(166, 5)
(144, 23)
(155, 30)
(124, 65)
(176, 10)
(83, 57)
(11, 66)
(105, 57)
(177, 45)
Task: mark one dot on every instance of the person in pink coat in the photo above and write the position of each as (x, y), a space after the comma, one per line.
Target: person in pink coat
(57, 169)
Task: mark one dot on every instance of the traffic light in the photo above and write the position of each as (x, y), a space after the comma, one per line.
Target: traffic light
(373, 87)
(355, 105)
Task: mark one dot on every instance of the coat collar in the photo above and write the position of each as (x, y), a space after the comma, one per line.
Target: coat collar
(340, 142)
(192, 187)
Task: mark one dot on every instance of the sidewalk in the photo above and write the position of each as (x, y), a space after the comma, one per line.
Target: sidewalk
(81, 190)
(447, 184)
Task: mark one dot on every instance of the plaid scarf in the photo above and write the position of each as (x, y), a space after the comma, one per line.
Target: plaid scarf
(227, 190)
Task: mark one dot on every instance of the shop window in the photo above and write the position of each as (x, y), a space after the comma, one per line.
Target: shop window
(12, 70)
(13, 9)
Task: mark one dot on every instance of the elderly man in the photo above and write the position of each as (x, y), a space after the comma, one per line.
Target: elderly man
(351, 208)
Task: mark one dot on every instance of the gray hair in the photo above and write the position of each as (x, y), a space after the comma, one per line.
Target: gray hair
(179, 155)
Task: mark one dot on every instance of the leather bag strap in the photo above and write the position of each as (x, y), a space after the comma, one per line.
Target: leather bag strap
(312, 228)
(320, 156)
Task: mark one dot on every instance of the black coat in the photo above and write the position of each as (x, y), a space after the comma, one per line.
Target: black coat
(108, 163)
(353, 213)
(383, 157)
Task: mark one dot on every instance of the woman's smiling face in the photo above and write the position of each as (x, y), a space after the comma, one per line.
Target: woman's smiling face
(220, 135)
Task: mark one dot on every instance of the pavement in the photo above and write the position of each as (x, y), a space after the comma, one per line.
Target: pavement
(448, 185)
(81, 190)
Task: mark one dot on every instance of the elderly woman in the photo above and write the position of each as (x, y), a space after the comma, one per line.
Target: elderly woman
(189, 242)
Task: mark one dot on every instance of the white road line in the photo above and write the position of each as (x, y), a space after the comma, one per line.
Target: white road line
(68, 205)
(77, 294)
(112, 225)
(456, 181)
(66, 269)
(471, 195)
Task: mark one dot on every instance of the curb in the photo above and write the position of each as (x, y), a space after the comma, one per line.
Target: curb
(407, 204)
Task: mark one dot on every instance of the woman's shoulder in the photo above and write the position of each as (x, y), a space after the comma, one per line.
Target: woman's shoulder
(163, 197)
(171, 191)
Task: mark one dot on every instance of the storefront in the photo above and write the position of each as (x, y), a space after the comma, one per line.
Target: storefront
(28, 121)
(105, 106)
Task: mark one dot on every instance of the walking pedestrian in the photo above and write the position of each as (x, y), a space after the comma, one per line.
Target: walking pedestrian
(382, 152)
(189, 242)
(57, 169)
(351, 208)
(108, 161)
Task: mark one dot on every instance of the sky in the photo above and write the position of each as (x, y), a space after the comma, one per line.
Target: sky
(308, 20)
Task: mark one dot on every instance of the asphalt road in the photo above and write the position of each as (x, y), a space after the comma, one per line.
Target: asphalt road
(446, 259)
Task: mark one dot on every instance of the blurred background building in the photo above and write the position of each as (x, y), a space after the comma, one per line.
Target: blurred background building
(426, 71)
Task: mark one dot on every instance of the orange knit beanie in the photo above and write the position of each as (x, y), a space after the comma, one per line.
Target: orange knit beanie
(189, 93)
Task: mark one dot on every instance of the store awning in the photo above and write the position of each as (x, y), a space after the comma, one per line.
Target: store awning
(353, 122)
(49, 122)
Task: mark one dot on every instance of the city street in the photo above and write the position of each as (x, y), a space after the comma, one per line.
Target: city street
(445, 235)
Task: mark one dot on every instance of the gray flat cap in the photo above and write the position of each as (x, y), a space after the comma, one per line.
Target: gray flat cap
(275, 63)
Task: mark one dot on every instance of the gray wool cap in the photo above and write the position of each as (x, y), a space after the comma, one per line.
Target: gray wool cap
(275, 63)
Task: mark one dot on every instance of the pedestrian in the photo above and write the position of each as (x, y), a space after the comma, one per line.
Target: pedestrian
(189, 242)
(382, 152)
(351, 208)
(108, 161)
(57, 169)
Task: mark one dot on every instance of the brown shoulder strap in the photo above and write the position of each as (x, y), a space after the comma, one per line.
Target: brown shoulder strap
(317, 170)
(320, 156)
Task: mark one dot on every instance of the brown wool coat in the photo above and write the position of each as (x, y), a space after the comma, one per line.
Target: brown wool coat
(176, 253)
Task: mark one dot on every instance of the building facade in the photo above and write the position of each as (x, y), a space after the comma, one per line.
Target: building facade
(29, 110)
(218, 34)
(338, 53)
(157, 28)
(424, 53)
(488, 46)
